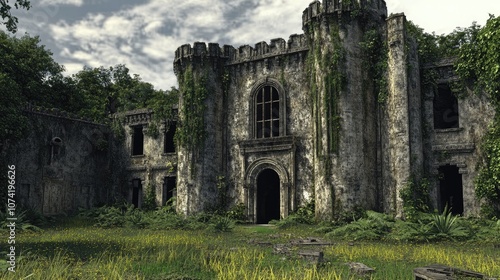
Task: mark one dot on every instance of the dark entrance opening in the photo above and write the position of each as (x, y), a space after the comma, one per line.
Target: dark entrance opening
(136, 192)
(137, 141)
(451, 189)
(169, 143)
(445, 108)
(168, 190)
(268, 196)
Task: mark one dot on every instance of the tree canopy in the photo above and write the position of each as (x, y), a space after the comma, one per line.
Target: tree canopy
(29, 74)
(9, 20)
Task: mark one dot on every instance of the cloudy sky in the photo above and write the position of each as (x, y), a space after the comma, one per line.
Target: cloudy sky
(144, 34)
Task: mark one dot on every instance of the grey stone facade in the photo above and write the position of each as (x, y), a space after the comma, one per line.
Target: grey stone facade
(286, 123)
(352, 152)
(63, 164)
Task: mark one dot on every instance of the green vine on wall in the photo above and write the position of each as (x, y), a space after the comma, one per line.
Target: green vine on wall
(191, 132)
(416, 198)
(477, 53)
(335, 82)
(376, 61)
(330, 63)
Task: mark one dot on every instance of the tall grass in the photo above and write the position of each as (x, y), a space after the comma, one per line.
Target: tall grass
(126, 253)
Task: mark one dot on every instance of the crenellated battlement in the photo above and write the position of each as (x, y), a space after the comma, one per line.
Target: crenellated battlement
(261, 50)
(316, 9)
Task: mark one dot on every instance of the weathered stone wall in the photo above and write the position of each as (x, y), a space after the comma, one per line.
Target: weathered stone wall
(401, 122)
(284, 69)
(338, 145)
(345, 153)
(153, 165)
(200, 166)
(63, 164)
(456, 146)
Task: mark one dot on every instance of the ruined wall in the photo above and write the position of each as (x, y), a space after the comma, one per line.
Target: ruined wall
(229, 148)
(353, 137)
(458, 146)
(153, 165)
(63, 164)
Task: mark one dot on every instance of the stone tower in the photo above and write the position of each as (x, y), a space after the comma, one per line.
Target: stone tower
(331, 115)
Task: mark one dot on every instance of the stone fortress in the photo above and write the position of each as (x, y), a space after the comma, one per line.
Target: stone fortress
(282, 124)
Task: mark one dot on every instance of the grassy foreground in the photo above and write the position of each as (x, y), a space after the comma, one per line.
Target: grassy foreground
(80, 251)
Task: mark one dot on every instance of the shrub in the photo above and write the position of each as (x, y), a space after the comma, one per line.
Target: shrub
(135, 218)
(222, 224)
(237, 213)
(445, 226)
(22, 223)
(109, 216)
(372, 227)
(409, 231)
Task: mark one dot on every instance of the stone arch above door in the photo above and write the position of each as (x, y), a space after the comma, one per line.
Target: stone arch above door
(251, 174)
(265, 163)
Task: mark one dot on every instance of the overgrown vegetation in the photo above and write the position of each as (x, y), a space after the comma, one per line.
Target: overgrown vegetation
(477, 53)
(125, 215)
(415, 196)
(423, 228)
(376, 55)
(191, 131)
(73, 250)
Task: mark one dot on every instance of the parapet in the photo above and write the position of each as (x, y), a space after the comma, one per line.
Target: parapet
(278, 46)
(316, 9)
(57, 113)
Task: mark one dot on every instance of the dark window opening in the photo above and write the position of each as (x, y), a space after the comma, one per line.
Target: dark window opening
(445, 108)
(451, 189)
(169, 143)
(268, 196)
(137, 141)
(169, 185)
(136, 193)
(267, 113)
(55, 149)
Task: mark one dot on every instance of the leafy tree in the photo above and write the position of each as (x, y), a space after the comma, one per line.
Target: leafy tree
(11, 21)
(105, 91)
(26, 72)
(479, 59)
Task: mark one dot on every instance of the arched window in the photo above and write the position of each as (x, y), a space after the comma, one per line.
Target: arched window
(268, 110)
(267, 113)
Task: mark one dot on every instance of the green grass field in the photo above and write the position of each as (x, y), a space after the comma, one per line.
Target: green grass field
(77, 250)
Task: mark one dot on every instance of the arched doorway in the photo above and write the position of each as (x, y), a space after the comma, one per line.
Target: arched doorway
(268, 196)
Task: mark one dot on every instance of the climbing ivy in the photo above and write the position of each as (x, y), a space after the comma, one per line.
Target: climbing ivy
(415, 196)
(478, 67)
(330, 63)
(486, 183)
(375, 53)
(191, 132)
(335, 82)
(477, 53)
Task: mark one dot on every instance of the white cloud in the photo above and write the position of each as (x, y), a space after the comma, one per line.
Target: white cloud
(444, 16)
(62, 2)
(145, 36)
